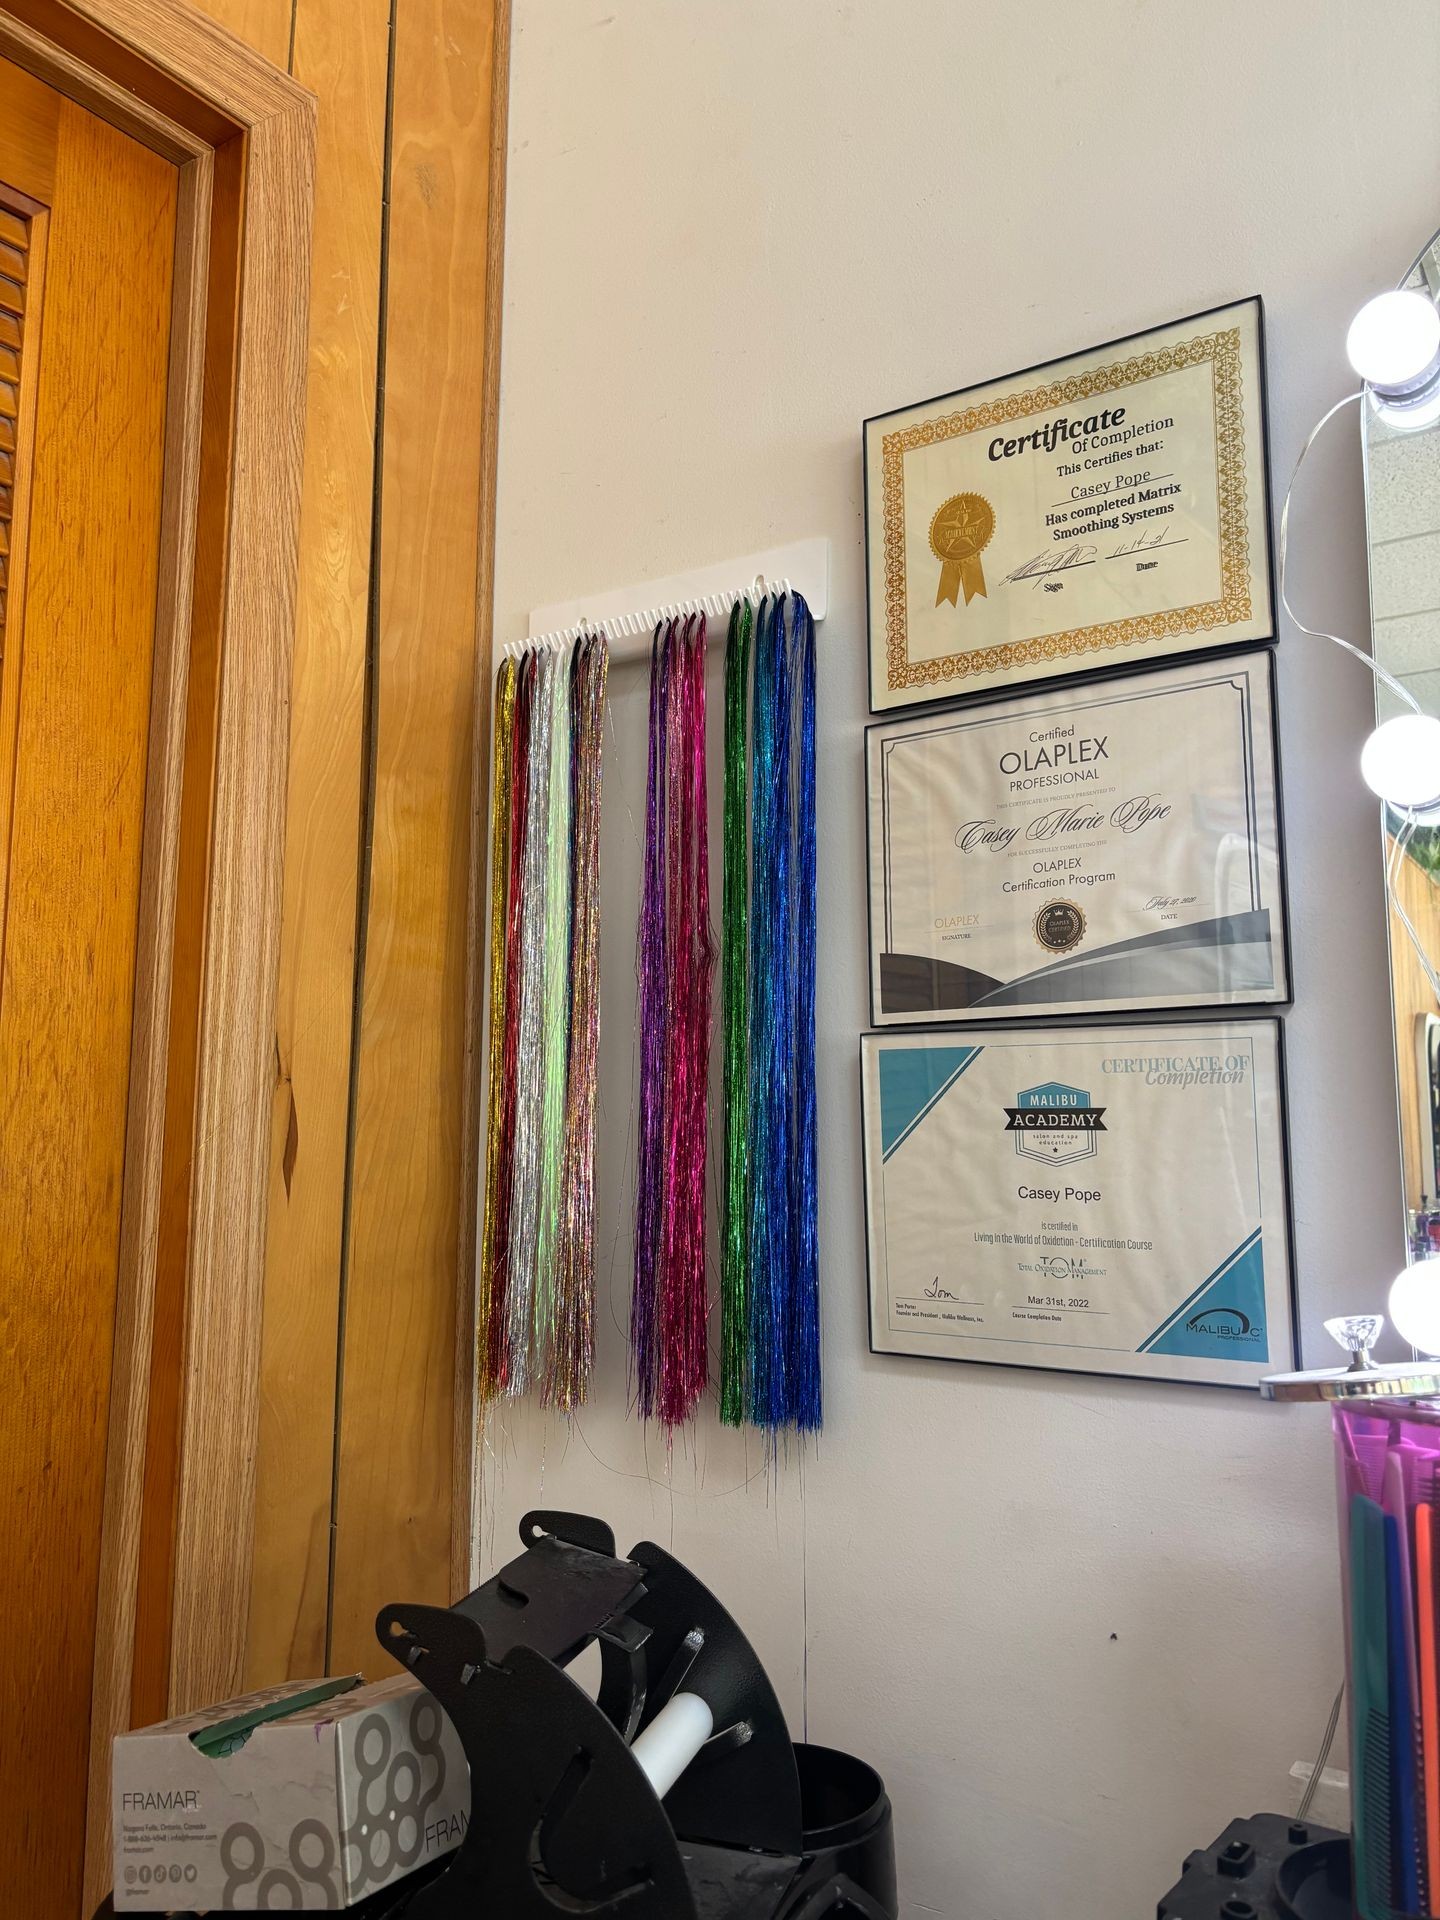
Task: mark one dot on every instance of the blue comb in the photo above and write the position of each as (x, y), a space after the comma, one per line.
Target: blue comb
(1370, 1726)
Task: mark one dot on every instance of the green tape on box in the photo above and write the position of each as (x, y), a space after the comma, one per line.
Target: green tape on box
(228, 1736)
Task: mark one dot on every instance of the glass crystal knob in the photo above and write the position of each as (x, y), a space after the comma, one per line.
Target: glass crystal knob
(1357, 1334)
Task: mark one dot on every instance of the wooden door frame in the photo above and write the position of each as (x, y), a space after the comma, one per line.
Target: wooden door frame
(242, 135)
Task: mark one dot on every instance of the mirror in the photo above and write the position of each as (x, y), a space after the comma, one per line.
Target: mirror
(1402, 495)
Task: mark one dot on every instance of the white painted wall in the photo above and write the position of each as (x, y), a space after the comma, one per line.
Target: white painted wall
(1077, 1624)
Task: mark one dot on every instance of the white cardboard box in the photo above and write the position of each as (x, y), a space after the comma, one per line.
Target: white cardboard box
(315, 1810)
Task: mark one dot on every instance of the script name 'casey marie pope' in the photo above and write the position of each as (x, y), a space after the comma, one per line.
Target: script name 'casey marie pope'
(1046, 439)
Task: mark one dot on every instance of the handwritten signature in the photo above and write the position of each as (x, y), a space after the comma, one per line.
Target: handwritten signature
(936, 1292)
(1044, 563)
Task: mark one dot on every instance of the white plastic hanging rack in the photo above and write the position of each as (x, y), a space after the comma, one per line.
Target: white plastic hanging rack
(629, 615)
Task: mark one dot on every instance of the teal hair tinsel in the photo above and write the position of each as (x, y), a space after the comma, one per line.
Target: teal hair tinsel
(735, 1222)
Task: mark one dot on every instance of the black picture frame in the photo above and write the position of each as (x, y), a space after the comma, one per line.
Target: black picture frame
(1038, 1364)
(1089, 666)
(921, 717)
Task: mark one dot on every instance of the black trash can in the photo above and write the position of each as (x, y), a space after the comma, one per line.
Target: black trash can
(849, 1840)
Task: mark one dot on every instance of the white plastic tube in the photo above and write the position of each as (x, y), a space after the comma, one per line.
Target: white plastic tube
(672, 1740)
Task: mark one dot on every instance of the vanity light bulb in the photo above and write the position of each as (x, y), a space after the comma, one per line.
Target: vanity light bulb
(1401, 760)
(1394, 340)
(1415, 1305)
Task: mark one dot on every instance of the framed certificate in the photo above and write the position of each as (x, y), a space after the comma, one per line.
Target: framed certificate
(1114, 846)
(1094, 1199)
(1101, 510)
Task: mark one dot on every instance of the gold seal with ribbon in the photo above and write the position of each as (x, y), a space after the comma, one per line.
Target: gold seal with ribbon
(959, 534)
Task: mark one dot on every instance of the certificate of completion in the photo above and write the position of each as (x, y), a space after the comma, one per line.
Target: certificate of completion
(1096, 1199)
(1107, 508)
(1113, 846)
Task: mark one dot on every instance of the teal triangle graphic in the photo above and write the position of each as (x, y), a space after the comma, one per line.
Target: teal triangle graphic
(912, 1079)
(1226, 1318)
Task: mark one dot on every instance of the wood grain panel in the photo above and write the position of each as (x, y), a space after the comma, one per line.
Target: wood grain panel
(162, 915)
(66, 992)
(264, 25)
(394, 1480)
(214, 452)
(184, 87)
(205, 68)
(472, 1121)
(342, 54)
(214, 1531)
(29, 132)
(121, 105)
(179, 80)
(166, 72)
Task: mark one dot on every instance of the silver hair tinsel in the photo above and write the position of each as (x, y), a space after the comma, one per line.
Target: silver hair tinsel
(530, 1048)
(555, 1017)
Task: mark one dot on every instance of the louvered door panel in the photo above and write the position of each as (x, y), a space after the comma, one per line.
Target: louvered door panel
(21, 253)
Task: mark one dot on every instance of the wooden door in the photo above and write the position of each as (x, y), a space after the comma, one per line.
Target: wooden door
(87, 240)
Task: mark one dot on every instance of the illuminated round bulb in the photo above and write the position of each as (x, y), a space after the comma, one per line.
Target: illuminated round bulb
(1394, 340)
(1401, 760)
(1415, 1305)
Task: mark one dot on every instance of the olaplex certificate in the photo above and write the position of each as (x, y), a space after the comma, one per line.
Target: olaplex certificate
(1099, 1199)
(1114, 846)
(1103, 509)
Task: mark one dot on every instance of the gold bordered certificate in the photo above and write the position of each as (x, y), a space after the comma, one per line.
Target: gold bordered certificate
(1103, 509)
(1096, 1199)
(1112, 846)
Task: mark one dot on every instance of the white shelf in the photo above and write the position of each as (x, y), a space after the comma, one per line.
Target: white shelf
(629, 615)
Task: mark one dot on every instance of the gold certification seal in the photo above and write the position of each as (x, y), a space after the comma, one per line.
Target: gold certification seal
(959, 534)
(1059, 926)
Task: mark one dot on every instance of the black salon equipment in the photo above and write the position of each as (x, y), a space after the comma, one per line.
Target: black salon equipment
(565, 1818)
(1269, 1867)
(675, 1794)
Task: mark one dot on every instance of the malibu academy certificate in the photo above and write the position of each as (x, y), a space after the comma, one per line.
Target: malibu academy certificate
(1097, 1199)
(1113, 846)
(1101, 509)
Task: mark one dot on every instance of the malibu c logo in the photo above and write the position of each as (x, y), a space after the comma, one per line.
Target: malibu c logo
(1223, 1323)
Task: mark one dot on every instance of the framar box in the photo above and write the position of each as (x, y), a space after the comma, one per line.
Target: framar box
(305, 1797)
